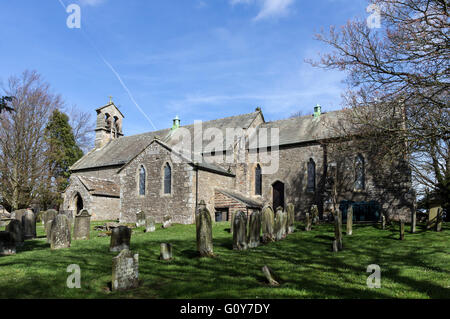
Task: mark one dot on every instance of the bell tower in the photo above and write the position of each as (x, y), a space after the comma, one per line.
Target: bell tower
(109, 124)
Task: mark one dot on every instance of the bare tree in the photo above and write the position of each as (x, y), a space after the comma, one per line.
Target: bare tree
(83, 128)
(22, 166)
(398, 88)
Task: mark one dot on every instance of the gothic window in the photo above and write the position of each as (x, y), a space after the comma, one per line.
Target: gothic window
(359, 173)
(167, 179)
(142, 181)
(258, 180)
(311, 186)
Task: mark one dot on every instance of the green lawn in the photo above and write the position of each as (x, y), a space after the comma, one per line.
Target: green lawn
(418, 267)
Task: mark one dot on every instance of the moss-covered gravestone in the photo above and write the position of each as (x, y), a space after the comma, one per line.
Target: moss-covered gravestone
(29, 225)
(240, 231)
(16, 230)
(7, 244)
(60, 232)
(120, 238)
(125, 271)
(204, 231)
(315, 214)
(254, 234)
(350, 220)
(290, 218)
(167, 221)
(267, 221)
(82, 225)
(140, 219)
(149, 224)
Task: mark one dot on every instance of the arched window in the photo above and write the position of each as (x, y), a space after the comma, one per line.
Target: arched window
(359, 173)
(258, 180)
(142, 181)
(167, 179)
(311, 186)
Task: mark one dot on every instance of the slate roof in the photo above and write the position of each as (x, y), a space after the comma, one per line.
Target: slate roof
(250, 203)
(100, 187)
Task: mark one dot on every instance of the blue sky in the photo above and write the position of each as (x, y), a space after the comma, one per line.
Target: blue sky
(198, 59)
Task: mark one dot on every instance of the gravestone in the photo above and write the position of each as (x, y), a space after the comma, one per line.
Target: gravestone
(29, 225)
(7, 244)
(240, 231)
(149, 224)
(125, 271)
(16, 230)
(69, 215)
(267, 221)
(82, 225)
(233, 214)
(17, 214)
(383, 221)
(314, 214)
(290, 218)
(268, 274)
(439, 220)
(414, 218)
(402, 229)
(166, 252)
(120, 238)
(204, 231)
(307, 222)
(140, 219)
(167, 221)
(432, 216)
(48, 216)
(254, 234)
(60, 232)
(280, 224)
(338, 229)
(350, 220)
(335, 248)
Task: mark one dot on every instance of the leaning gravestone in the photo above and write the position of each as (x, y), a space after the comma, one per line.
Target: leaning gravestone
(149, 224)
(204, 231)
(166, 251)
(314, 214)
(280, 224)
(120, 238)
(350, 220)
(307, 222)
(125, 271)
(254, 234)
(290, 218)
(267, 224)
(240, 231)
(167, 221)
(16, 230)
(140, 219)
(268, 274)
(29, 225)
(7, 244)
(60, 232)
(338, 229)
(82, 225)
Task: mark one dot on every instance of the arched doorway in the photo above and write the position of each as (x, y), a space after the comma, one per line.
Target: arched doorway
(78, 203)
(278, 194)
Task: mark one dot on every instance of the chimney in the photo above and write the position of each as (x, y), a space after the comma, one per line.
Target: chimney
(176, 123)
(317, 111)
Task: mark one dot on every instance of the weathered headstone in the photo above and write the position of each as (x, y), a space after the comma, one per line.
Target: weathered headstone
(149, 224)
(7, 244)
(60, 232)
(254, 234)
(204, 231)
(414, 218)
(17, 214)
(383, 221)
(29, 225)
(335, 248)
(268, 274)
(233, 214)
(120, 238)
(48, 216)
(240, 231)
(140, 219)
(280, 224)
(82, 225)
(350, 220)
(314, 214)
(307, 222)
(125, 271)
(267, 220)
(290, 218)
(338, 229)
(16, 230)
(167, 221)
(402, 229)
(166, 252)
(439, 220)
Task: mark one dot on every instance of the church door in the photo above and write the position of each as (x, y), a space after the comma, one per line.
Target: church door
(79, 203)
(278, 195)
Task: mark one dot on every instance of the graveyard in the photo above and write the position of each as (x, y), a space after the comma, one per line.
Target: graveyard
(303, 264)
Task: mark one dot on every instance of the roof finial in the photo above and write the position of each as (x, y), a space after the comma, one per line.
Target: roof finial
(110, 100)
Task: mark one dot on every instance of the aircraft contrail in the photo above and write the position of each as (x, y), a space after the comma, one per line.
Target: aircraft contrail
(115, 73)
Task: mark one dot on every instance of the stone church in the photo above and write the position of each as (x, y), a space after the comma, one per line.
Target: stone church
(123, 175)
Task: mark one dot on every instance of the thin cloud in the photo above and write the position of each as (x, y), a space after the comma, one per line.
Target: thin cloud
(268, 8)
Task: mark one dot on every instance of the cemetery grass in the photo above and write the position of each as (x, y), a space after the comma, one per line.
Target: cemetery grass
(418, 267)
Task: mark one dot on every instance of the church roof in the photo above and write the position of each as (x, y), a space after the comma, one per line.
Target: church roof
(250, 203)
(100, 187)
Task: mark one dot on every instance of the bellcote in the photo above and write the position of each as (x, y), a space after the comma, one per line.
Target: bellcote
(109, 124)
